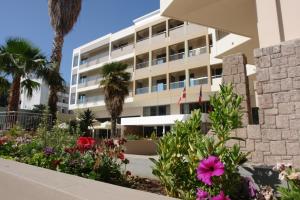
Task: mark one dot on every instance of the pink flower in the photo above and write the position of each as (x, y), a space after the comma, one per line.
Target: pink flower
(201, 194)
(221, 196)
(209, 167)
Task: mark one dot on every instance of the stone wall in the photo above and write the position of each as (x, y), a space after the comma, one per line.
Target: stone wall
(234, 72)
(278, 89)
(277, 137)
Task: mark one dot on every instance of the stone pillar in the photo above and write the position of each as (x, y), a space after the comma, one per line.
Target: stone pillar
(278, 89)
(234, 71)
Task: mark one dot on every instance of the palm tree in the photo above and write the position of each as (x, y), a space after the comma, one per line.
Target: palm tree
(63, 16)
(20, 60)
(86, 120)
(115, 83)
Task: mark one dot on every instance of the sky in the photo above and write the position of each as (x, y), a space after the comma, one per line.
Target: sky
(29, 19)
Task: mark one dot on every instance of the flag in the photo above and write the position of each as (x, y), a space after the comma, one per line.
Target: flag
(200, 95)
(183, 96)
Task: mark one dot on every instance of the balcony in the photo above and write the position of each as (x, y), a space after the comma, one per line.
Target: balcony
(92, 61)
(159, 61)
(142, 65)
(91, 100)
(176, 85)
(122, 50)
(142, 90)
(198, 81)
(159, 88)
(177, 56)
(90, 81)
(197, 51)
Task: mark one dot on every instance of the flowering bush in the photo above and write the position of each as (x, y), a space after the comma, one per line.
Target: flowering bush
(292, 177)
(193, 165)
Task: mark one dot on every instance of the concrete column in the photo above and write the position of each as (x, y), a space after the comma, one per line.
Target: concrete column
(209, 75)
(187, 78)
(168, 81)
(186, 48)
(150, 84)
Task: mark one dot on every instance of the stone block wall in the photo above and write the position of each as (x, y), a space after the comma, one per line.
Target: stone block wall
(278, 89)
(234, 72)
(277, 137)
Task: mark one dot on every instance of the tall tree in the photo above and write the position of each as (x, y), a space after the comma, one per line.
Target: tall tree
(86, 120)
(63, 16)
(115, 84)
(20, 60)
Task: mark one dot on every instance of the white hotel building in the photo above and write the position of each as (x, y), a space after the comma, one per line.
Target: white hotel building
(164, 56)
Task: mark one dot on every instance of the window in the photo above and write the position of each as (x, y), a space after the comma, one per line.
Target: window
(62, 110)
(74, 79)
(75, 61)
(73, 95)
(187, 108)
(81, 98)
(156, 110)
(64, 101)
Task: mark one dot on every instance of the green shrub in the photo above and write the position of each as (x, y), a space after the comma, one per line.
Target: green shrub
(132, 137)
(181, 150)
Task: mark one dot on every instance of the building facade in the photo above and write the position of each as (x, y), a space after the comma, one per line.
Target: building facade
(164, 56)
(40, 96)
(274, 48)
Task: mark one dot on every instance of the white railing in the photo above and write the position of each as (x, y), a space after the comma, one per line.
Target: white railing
(142, 65)
(159, 88)
(177, 56)
(93, 61)
(159, 33)
(159, 61)
(178, 84)
(93, 99)
(142, 90)
(142, 39)
(123, 47)
(90, 81)
(176, 27)
(197, 51)
(198, 81)
(216, 76)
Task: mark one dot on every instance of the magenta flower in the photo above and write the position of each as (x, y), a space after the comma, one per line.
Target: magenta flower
(201, 194)
(221, 196)
(209, 167)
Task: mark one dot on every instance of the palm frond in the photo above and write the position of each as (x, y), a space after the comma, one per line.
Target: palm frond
(29, 86)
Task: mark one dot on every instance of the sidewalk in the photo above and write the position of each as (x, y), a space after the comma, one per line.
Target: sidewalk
(19, 181)
(140, 165)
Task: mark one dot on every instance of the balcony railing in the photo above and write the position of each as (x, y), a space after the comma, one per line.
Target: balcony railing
(142, 39)
(216, 76)
(177, 56)
(142, 65)
(176, 27)
(175, 85)
(197, 52)
(159, 33)
(93, 61)
(159, 61)
(158, 87)
(198, 81)
(93, 99)
(90, 81)
(142, 90)
(122, 50)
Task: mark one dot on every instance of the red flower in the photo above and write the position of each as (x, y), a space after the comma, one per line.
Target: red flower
(122, 141)
(121, 156)
(85, 142)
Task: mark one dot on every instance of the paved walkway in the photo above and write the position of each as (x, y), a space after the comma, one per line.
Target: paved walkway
(140, 165)
(19, 181)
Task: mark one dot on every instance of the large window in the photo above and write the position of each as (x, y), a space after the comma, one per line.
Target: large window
(75, 61)
(73, 95)
(156, 110)
(74, 79)
(187, 108)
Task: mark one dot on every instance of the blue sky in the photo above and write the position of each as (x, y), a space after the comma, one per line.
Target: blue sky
(29, 19)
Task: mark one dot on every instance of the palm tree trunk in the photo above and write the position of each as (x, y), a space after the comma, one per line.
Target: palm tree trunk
(113, 126)
(56, 60)
(14, 95)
